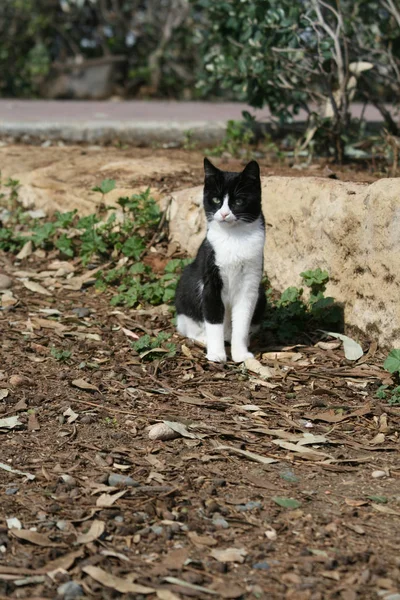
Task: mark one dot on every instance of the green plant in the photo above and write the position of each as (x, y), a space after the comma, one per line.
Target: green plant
(237, 139)
(59, 354)
(313, 55)
(392, 362)
(392, 395)
(106, 186)
(147, 343)
(292, 314)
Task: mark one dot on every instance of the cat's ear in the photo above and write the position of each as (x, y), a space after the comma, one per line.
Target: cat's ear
(209, 169)
(251, 170)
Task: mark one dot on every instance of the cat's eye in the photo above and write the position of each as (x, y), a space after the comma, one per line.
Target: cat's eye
(239, 201)
(216, 200)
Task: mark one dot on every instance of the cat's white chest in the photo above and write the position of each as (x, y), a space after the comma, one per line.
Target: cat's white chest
(238, 255)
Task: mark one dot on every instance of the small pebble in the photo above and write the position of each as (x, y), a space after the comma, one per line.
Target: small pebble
(119, 519)
(68, 480)
(261, 566)
(70, 590)
(220, 522)
(115, 480)
(61, 525)
(82, 312)
(248, 506)
(11, 491)
(5, 282)
(157, 529)
(378, 474)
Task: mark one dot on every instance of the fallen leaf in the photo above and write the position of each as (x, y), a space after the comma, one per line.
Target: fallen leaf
(3, 394)
(106, 500)
(84, 385)
(115, 555)
(10, 422)
(201, 540)
(61, 563)
(97, 529)
(301, 449)
(167, 595)
(25, 251)
(328, 345)
(175, 559)
(251, 455)
(352, 349)
(254, 365)
(72, 416)
(378, 439)
(48, 324)
(16, 471)
(33, 537)
(13, 523)
(235, 555)
(130, 333)
(331, 417)
(190, 586)
(227, 589)
(33, 286)
(286, 502)
(181, 429)
(355, 503)
(385, 509)
(116, 583)
(288, 356)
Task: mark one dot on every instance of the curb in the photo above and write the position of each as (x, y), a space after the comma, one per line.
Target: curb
(132, 132)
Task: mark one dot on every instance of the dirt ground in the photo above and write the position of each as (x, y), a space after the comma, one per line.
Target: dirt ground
(284, 486)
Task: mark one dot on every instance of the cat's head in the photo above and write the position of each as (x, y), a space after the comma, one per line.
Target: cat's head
(231, 197)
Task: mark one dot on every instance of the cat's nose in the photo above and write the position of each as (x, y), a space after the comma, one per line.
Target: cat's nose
(224, 214)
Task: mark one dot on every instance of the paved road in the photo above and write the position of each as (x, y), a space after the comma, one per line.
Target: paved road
(134, 121)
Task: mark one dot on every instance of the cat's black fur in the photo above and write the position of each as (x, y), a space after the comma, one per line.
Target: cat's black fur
(244, 191)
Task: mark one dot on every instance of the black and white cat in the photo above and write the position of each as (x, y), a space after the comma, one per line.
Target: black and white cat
(219, 295)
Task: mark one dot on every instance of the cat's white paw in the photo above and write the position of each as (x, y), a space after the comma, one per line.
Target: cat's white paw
(241, 356)
(216, 357)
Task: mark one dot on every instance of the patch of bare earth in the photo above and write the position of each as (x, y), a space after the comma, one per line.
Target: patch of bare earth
(278, 486)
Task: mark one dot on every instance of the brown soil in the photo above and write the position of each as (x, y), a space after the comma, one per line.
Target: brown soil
(191, 498)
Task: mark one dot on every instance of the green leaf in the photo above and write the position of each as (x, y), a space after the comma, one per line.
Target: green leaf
(392, 363)
(106, 186)
(379, 499)
(286, 502)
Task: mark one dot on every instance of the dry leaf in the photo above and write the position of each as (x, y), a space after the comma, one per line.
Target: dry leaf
(355, 503)
(352, 349)
(62, 563)
(72, 416)
(186, 351)
(25, 251)
(33, 286)
(254, 365)
(16, 471)
(175, 559)
(39, 539)
(181, 429)
(130, 333)
(106, 500)
(331, 417)
(385, 509)
(236, 555)
(10, 422)
(84, 385)
(190, 586)
(3, 394)
(378, 439)
(287, 356)
(251, 455)
(167, 595)
(97, 529)
(116, 583)
(201, 540)
(301, 449)
(48, 324)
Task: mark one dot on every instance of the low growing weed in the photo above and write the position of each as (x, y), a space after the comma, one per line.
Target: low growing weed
(295, 313)
(392, 365)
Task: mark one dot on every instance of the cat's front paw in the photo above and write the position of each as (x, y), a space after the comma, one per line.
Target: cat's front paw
(241, 356)
(216, 357)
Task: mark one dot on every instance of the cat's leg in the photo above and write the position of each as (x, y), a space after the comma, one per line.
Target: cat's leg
(214, 312)
(243, 308)
(227, 325)
(191, 329)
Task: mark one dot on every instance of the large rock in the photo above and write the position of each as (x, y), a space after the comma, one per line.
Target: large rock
(350, 229)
